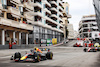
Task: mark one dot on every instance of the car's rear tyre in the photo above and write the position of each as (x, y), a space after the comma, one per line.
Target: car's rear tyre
(49, 55)
(85, 50)
(37, 59)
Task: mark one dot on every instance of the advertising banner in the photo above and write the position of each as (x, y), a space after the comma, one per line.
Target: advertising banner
(54, 41)
(43, 42)
(49, 42)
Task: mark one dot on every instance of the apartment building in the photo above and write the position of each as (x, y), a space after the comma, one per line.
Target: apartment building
(47, 20)
(88, 27)
(75, 34)
(14, 23)
(96, 4)
(28, 21)
(70, 31)
(65, 18)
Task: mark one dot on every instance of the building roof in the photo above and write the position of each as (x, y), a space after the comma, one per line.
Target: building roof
(89, 16)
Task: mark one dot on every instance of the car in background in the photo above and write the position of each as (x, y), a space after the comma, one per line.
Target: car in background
(90, 49)
(79, 43)
(87, 43)
(96, 45)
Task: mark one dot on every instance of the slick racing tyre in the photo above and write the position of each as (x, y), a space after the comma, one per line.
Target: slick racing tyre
(85, 50)
(37, 58)
(17, 55)
(49, 55)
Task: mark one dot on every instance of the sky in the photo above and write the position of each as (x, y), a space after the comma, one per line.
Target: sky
(79, 8)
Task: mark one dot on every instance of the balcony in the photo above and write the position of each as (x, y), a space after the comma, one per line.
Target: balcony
(46, 2)
(58, 30)
(61, 25)
(48, 11)
(39, 23)
(60, 13)
(26, 26)
(38, 14)
(60, 19)
(61, 2)
(27, 5)
(15, 1)
(54, 9)
(37, 4)
(16, 24)
(14, 11)
(53, 2)
(28, 17)
(48, 26)
(53, 15)
(89, 18)
(49, 19)
(60, 8)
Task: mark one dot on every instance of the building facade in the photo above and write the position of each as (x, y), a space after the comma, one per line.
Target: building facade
(88, 27)
(70, 31)
(96, 4)
(75, 34)
(14, 24)
(28, 21)
(65, 18)
(47, 20)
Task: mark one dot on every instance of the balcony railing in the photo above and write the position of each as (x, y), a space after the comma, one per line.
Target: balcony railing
(37, 4)
(27, 5)
(46, 2)
(15, 24)
(15, 1)
(14, 11)
(60, 8)
(54, 2)
(28, 16)
(48, 11)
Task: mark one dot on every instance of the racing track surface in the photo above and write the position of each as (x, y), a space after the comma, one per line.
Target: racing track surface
(63, 57)
(70, 43)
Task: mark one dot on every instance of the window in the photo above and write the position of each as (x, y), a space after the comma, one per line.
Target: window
(67, 10)
(4, 2)
(21, 8)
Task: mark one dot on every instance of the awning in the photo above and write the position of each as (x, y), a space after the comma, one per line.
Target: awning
(15, 16)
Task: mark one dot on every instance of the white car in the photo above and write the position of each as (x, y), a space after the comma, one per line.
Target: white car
(79, 43)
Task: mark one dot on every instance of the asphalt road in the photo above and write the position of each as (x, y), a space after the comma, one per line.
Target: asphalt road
(70, 43)
(63, 57)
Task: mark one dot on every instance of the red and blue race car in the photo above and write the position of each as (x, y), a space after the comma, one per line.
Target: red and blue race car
(35, 55)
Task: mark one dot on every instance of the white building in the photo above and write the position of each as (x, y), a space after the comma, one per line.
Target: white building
(28, 21)
(75, 34)
(88, 27)
(70, 31)
(47, 19)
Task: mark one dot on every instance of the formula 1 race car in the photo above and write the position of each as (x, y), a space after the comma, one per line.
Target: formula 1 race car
(79, 43)
(35, 55)
(90, 49)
